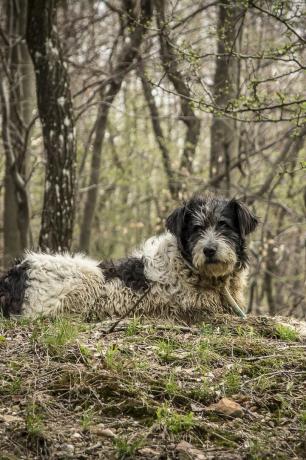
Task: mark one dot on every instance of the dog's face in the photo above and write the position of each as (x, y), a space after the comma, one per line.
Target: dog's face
(211, 234)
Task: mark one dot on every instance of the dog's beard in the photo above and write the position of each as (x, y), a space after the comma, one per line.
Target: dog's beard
(223, 262)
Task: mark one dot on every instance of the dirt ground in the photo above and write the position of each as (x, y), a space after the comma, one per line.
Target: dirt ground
(228, 389)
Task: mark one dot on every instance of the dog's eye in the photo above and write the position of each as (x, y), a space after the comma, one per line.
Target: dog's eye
(197, 228)
(224, 224)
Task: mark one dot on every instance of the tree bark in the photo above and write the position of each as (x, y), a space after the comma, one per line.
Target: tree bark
(16, 98)
(170, 64)
(23, 207)
(224, 136)
(138, 15)
(56, 114)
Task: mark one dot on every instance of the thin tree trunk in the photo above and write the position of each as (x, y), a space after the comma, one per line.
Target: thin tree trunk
(17, 105)
(173, 183)
(268, 276)
(224, 136)
(170, 64)
(136, 22)
(56, 114)
(11, 237)
(22, 198)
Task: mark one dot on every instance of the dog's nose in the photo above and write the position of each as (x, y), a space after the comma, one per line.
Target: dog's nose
(210, 251)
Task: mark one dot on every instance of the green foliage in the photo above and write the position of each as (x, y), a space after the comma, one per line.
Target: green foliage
(85, 351)
(87, 418)
(171, 385)
(112, 357)
(302, 419)
(165, 349)
(205, 353)
(174, 421)
(132, 326)
(232, 382)
(207, 329)
(10, 386)
(127, 448)
(286, 333)
(34, 420)
(55, 336)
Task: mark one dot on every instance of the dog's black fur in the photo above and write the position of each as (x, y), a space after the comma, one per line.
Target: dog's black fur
(12, 289)
(130, 271)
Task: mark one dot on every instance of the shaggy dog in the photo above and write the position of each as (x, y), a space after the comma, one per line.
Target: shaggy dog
(194, 269)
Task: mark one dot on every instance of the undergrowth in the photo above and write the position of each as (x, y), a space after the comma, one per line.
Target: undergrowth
(69, 390)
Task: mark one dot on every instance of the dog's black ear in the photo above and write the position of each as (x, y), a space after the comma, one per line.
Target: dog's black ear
(247, 221)
(175, 222)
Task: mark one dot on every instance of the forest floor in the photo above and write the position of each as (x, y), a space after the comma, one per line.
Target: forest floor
(152, 390)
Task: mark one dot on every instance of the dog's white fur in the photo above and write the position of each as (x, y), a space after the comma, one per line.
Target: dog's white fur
(65, 283)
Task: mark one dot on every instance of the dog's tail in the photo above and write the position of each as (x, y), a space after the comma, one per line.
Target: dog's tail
(12, 289)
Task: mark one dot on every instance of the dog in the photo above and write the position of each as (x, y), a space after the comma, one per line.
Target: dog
(196, 268)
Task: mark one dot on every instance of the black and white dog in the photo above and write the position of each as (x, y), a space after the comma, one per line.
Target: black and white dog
(196, 268)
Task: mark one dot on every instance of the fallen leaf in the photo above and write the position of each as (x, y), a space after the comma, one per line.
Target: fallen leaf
(227, 407)
(100, 430)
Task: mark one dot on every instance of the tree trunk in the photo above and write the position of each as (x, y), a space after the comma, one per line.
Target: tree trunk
(17, 103)
(137, 20)
(11, 237)
(173, 183)
(170, 64)
(56, 114)
(224, 136)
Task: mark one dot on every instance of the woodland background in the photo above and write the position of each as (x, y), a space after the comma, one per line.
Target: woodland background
(113, 111)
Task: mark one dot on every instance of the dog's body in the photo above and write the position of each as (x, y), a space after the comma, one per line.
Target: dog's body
(183, 273)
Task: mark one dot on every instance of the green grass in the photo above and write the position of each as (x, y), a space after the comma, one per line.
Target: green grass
(286, 333)
(165, 349)
(127, 448)
(55, 335)
(132, 327)
(171, 385)
(112, 357)
(232, 382)
(174, 421)
(87, 418)
(34, 420)
(302, 419)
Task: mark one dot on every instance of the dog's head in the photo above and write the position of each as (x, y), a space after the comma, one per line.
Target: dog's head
(211, 233)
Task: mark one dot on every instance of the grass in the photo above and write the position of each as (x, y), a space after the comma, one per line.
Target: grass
(174, 421)
(56, 335)
(34, 421)
(87, 418)
(232, 382)
(126, 448)
(302, 419)
(112, 357)
(286, 333)
(151, 385)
